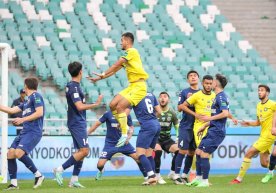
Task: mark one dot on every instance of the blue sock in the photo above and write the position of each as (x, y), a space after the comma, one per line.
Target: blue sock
(152, 162)
(77, 168)
(145, 163)
(142, 169)
(28, 162)
(205, 167)
(272, 162)
(71, 161)
(198, 165)
(173, 161)
(12, 167)
(178, 162)
(188, 164)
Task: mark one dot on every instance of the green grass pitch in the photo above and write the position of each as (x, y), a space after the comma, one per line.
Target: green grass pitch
(220, 183)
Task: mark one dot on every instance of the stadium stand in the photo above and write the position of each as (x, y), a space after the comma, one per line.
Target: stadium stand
(172, 38)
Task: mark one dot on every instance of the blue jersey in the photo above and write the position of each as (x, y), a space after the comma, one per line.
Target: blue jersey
(113, 132)
(145, 110)
(75, 119)
(187, 120)
(28, 108)
(220, 103)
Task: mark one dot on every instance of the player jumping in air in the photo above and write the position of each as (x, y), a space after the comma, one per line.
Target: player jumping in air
(215, 134)
(165, 142)
(33, 115)
(265, 112)
(137, 88)
(76, 122)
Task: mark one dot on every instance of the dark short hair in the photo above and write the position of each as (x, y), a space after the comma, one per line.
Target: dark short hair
(129, 35)
(192, 71)
(222, 80)
(264, 86)
(74, 68)
(164, 92)
(31, 83)
(207, 77)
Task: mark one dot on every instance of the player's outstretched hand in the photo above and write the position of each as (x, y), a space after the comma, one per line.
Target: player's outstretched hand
(235, 121)
(18, 121)
(93, 79)
(244, 123)
(204, 118)
(273, 131)
(99, 100)
(122, 141)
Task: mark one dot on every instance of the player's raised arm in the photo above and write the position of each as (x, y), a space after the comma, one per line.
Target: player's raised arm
(93, 127)
(82, 106)
(109, 72)
(10, 110)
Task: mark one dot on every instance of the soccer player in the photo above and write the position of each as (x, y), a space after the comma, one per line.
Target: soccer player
(76, 122)
(186, 140)
(137, 88)
(113, 134)
(265, 111)
(165, 142)
(32, 119)
(272, 162)
(145, 112)
(215, 134)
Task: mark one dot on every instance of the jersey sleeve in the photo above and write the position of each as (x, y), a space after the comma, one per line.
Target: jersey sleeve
(20, 106)
(129, 121)
(128, 55)
(192, 99)
(181, 98)
(273, 106)
(74, 94)
(103, 118)
(223, 103)
(37, 99)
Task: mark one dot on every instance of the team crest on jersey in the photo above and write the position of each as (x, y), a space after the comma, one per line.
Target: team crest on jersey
(169, 118)
(265, 109)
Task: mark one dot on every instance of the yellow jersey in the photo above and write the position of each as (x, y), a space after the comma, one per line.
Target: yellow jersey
(133, 66)
(202, 103)
(265, 113)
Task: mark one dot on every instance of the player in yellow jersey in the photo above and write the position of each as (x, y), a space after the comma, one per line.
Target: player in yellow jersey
(265, 112)
(202, 101)
(272, 161)
(137, 88)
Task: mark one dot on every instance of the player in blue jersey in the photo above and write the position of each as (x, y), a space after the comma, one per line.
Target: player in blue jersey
(76, 122)
(186, 141)
(215, 134)
(113, 134)
(145, 112)
(32, 119)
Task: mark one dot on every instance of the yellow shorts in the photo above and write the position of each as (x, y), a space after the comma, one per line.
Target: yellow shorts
(135, 92)
(264, 144)
(198, 139)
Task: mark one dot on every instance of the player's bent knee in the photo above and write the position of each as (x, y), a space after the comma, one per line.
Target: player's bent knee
(191, 153)
(183, 152)
(11, 154)
(84, 151)
(19, 153)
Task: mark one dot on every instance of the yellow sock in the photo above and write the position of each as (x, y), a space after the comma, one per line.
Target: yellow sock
(193, 168)
(115, 114)
(122, 119)
(244, 167)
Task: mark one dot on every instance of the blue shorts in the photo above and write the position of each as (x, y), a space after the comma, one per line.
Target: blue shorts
(26, 142)
(211, 141)
(148, 135)
(186, 140)
(80, 138)
(109, 150)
